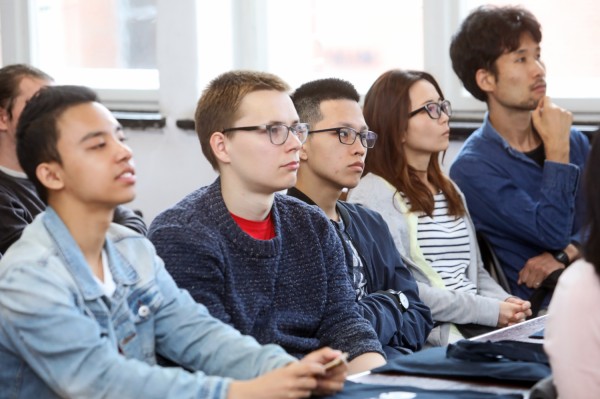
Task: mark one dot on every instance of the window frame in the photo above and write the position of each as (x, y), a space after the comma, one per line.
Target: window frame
(185, 69)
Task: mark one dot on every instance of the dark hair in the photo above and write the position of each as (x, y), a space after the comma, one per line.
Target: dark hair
(487, 33)
(219, 104)
(10, 79)
(591, 246)
(308, 97)
(37, 130)
(387, 107)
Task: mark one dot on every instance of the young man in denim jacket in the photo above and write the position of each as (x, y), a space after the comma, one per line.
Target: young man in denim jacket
(86, 305)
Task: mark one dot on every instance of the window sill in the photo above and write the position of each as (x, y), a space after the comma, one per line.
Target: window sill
(140, 120)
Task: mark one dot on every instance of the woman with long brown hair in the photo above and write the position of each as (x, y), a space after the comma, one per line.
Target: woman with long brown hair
(425, 211)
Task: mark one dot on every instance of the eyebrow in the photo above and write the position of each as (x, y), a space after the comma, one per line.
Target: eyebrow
(92, 135)
(272, 122)
(346, 124)
(526, 50)
(429, 101)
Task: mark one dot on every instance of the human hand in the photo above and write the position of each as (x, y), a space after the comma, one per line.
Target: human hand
(511, 313)
(525, 305)
(295, 380)
(333, 380)
(553, 124)
(536, 269)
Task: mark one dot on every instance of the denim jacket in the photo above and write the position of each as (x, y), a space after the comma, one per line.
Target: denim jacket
(60, 336)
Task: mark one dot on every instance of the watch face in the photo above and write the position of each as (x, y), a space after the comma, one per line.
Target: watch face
(562, 257)
(403, 300)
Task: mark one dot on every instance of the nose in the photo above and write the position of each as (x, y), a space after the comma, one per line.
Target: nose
(540, 68)
(123, 151)
(357, 147)
(293, 142)
(444, 118)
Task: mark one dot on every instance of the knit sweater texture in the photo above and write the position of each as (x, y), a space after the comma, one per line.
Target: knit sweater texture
(292, 290)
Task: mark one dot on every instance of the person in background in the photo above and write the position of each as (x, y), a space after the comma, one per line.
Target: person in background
(331, 159)
(520, 170)
(19, 200)
(572, 333)
(265, 263)
(86, 304)
(426, 212)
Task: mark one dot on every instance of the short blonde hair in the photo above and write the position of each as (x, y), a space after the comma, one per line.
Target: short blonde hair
(218, 106)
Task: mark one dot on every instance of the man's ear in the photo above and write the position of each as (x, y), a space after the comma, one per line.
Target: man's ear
(303, 153)
(485, 80)
(219, 146)
(49, 174)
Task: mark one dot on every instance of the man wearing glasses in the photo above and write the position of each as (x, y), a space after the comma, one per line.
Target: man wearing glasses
(263, 262)
(520, 170)
(331, 159)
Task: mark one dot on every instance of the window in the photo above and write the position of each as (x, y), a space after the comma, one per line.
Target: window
(568, 50)
(105, 44)
(352, 40)
(116, 45)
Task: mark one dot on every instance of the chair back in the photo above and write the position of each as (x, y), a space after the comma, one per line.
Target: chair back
(491, 262)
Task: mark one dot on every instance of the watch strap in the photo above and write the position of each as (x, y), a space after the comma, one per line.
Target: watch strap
(562, 257)
(394, 295)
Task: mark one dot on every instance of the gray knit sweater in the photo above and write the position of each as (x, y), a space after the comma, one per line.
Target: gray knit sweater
(292, 290)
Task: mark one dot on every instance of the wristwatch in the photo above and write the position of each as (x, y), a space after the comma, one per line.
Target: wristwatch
(562, 257)
(399, 297)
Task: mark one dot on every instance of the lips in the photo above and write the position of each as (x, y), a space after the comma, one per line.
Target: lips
(292, 165)
(128, 174)
(360, 165)
(539, 85)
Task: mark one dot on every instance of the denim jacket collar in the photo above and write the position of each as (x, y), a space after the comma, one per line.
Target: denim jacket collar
(122, 271)
(489, 132)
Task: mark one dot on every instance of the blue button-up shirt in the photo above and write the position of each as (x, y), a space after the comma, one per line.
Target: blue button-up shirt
(60, 336)
(523, 208)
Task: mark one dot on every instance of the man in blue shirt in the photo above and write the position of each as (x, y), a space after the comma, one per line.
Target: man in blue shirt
(331, 159)
(86, 305)
(520, 170)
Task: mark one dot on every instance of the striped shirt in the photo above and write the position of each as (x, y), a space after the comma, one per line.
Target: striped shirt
(444, 241)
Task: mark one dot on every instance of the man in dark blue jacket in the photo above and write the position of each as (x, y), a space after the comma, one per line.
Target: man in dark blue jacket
(331, 159)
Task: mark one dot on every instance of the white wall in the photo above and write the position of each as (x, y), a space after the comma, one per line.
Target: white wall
(170, 164)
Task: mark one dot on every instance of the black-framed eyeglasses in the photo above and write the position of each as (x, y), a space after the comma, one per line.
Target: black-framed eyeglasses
(434, 110)
(278, 133)
(347, 135)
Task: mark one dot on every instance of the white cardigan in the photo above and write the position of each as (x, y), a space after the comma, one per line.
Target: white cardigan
(447, 306)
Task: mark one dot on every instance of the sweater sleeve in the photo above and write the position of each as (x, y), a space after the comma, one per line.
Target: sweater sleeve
(460, 307)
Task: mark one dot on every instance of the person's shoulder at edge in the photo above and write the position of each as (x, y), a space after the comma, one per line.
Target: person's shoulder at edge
(579, 274)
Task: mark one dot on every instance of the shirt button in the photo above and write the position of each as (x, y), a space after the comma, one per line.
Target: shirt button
(143, 311)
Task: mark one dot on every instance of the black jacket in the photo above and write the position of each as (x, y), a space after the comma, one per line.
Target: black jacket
(403, 331)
